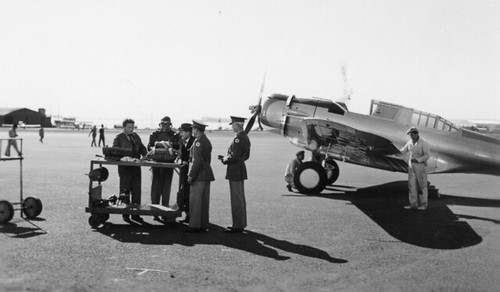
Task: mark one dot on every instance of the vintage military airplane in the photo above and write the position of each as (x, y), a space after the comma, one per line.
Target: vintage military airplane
(331, 132)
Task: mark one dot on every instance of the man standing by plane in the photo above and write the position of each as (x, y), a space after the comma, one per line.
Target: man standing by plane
(200, 176)
(236, 173)
(417, 170)
(291, 168)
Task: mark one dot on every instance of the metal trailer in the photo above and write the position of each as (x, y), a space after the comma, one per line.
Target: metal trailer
(100, 208)
(30, 207)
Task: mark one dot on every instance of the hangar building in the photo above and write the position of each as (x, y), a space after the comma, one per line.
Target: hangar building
(9, 116)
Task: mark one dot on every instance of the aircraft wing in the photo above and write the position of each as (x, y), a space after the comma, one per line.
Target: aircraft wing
(352, 145)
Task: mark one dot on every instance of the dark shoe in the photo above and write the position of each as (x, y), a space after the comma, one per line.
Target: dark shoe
(409, 207)
(289, 187)
(126, 218)
(157, 218)
(137, 218)
(233, 230)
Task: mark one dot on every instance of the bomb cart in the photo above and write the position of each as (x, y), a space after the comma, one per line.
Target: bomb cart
(100, 207)
(30, 207)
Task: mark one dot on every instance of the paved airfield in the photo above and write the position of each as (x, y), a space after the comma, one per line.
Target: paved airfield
(355, 236)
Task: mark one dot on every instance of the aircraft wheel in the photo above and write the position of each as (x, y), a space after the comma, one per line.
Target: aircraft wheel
(310, 178)
(332, 171)
(94, 220)
(6, 211)
(32, 207)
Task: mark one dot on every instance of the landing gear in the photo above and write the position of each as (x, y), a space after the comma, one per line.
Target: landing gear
(310, 178)
(32, 207)
(332, 170)
(6, 211)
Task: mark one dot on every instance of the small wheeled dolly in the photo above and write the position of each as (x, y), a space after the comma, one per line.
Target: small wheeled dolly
(30, 207)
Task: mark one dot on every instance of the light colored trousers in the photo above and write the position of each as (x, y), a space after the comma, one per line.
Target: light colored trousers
(417, 181)
(238, 203)
(199, 204)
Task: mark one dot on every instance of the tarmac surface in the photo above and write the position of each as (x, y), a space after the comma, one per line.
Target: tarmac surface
(355, 236)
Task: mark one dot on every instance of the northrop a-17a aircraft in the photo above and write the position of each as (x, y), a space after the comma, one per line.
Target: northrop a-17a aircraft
(331, 132)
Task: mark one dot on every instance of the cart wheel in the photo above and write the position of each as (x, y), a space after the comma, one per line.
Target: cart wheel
(94, 221)
(6, 211)
(32, 207)
(104, 217)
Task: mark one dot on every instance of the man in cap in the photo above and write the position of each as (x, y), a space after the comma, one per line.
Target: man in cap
(291, 168)
(417, 169)
(199, 177)
(187, 139)
(162, 177)
(237, 154)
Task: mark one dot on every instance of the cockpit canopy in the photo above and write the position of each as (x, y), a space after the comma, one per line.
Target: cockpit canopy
(409, 116)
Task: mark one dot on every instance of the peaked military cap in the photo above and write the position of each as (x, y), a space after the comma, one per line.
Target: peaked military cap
(199, 125)
(237, 120)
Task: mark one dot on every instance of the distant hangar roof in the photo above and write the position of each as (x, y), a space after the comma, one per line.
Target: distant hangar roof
(7, 110)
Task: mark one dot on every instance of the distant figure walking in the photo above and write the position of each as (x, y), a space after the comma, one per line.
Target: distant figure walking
(12, 142)
(93, 132)
(101, 136)
(41, 132)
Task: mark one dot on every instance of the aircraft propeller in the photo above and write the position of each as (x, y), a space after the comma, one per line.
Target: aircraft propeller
(256, 109)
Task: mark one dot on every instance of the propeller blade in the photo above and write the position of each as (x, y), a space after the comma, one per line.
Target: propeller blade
(256, 109)
(250, 123)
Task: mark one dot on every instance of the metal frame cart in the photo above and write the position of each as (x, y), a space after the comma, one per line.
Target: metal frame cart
(30, 207)
(100, 209)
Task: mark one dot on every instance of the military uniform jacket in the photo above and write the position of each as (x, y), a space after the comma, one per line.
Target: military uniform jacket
(186, 149)
(238, 153)
(132, 141)
(201, 153)
(169, 135)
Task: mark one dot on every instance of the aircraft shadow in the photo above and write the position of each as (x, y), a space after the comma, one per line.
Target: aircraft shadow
(248, 241)
(437, 227)
(13, 230)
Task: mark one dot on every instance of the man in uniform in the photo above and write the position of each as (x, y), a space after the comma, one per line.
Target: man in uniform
(199, 177)
(417, 170)
(130, 176)
(162, 177)
(237, 154)
(291, 168)
(187, 139)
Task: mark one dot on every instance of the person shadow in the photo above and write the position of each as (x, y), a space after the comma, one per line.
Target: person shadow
(437, 227)
(249, 241)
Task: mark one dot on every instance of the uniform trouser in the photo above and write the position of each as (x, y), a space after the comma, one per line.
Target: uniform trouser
(161, 185)
(183, 195)
(417, 185)
(12, 143)
(199, 204)
(130, 182)
(103, 143)
(238, 203)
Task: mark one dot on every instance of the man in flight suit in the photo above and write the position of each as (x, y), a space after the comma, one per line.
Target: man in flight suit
(162, 177)
(417, 170)
(236, 173)
(199, 177)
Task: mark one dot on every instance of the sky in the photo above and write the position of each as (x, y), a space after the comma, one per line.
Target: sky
(104, 61)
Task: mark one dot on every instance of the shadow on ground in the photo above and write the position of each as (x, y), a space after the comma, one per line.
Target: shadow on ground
(248, 241)
(437, 227)
(15, 230)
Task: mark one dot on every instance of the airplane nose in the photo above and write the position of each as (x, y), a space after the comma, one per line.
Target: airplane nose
(272, 112)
